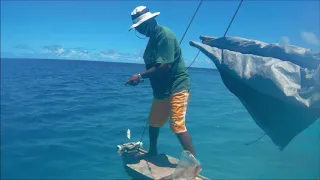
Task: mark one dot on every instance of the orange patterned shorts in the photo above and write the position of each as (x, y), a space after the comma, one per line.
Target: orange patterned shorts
(174, 107)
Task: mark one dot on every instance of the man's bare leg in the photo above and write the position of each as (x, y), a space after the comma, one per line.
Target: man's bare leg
(153, 138)
(186, 142)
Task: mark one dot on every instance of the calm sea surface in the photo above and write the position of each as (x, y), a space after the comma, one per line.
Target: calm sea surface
(63, 119)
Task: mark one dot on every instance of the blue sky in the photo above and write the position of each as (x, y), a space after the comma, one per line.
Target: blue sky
(98, 30)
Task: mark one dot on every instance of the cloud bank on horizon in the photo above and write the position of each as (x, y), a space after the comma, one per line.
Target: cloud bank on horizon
(80, 53)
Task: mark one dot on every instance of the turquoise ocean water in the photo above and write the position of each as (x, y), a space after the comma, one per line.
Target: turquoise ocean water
(63, 120)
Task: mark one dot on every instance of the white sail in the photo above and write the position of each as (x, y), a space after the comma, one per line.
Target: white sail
(279, 85)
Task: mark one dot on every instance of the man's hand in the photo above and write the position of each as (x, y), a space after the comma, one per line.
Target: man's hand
(158, 68)
(134, 80)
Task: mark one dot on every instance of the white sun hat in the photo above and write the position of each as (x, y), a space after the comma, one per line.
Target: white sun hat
(140, 14)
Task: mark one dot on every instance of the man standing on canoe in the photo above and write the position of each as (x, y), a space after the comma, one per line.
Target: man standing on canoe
(168, 75)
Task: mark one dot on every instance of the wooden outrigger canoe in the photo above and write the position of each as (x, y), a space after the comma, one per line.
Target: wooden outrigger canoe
(159, 167)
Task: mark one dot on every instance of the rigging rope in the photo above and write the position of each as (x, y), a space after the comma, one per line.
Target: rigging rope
(224, 33)
(256, 140)
(145, 127)
(185, 32)
(233, 18)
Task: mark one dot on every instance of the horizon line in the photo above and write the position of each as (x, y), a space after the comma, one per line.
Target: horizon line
(19, 58)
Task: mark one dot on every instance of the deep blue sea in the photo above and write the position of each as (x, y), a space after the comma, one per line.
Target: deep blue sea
(63, 119)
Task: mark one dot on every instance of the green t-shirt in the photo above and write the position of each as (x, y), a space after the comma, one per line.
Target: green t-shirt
(163, 47)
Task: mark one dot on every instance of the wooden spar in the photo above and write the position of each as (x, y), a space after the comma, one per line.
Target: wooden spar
(159, 167)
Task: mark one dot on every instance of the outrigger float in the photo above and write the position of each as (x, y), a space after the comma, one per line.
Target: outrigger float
(161, 167)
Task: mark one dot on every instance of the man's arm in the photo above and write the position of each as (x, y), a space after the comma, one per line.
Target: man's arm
(163, 58)
(159, 68)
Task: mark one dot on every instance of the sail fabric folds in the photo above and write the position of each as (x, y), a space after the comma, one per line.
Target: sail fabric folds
(279, 85)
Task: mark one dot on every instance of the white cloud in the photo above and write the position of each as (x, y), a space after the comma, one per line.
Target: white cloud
(285, 39)
(138, 52)
(310, 38)
(73, 52)
(60, 51)
(110, 56)
(53, 49)
(139, 59)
